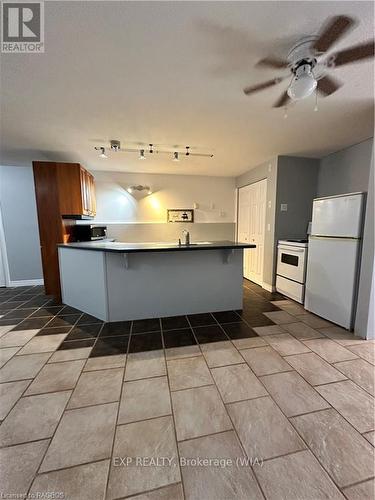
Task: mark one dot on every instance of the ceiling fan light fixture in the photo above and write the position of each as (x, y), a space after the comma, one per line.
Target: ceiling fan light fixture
(303, 84)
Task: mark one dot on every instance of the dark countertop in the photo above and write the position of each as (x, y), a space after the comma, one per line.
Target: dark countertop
(117, 246)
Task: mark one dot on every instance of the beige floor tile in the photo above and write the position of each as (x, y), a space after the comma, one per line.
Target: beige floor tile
(363, 491)
(99, 387)
(56, 377)
(172, 492)
(293, 394)
(145, 364)
(189, 372)
(313, 321)
(10, 392)
(145, 398)
(296, 477)
(199, 411)
(182, 352)
(370, 436)
(237, 382)
(33, 417)
(360, 371)
(209, 483)
(83, 435)
(290, 307)
(314, 369)
(268, 330)
(342, 451)
(249, 343)
(43, 343)
(17, 338)
(286, 344)
(150, 438)
(329, 350)
(265, 360)
(18, 466)
(365, 351)
(220, 354)
(341, 336)
(105, 362)
(5, 329)
(280, 317)
(263, 429)
(7, 354)
(302, 331)
(23, 367)
(84, 482)
(70, 355)
(356, 405)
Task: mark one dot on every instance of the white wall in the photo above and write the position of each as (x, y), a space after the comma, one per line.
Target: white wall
(18, 209)
(214, 195)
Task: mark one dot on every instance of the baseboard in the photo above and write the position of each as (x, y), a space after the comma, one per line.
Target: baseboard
(26, 282)
(269, 288)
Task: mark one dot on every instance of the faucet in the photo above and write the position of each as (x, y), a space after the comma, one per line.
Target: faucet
(186, 236)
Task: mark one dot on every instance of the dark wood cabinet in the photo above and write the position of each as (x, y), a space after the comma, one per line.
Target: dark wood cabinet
(64, 192)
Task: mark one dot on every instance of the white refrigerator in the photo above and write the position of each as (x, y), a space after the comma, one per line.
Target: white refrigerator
(333, 259)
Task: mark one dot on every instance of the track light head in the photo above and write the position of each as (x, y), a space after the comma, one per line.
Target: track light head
(175, 156)
(142, 154)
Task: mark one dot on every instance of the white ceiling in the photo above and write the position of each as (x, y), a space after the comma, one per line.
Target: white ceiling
(172, 73)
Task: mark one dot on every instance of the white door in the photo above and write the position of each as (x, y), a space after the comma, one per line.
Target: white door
(331, 279)
(251, 227)
(339, 216)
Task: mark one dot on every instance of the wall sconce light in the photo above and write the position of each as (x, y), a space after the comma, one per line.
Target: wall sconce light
(139, 188)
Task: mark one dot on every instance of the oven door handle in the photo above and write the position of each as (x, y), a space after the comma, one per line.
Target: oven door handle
(288, 249)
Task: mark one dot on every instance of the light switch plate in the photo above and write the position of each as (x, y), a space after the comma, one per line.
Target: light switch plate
(284, 207)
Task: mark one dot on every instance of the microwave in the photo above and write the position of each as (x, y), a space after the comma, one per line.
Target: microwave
(89, 232)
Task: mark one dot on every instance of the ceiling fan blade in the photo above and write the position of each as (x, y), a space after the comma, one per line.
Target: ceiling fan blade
(327, 85)
(332, 32)
(283, 101)
(272, 62)
(353, 54)
(261, 86)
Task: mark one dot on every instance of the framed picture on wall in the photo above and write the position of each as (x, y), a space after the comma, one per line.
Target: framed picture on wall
(180, 215)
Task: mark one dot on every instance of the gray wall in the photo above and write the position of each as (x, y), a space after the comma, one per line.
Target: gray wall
(297, 180)
(346, 171)
(267, 170)
(364, 323)
(18, 208)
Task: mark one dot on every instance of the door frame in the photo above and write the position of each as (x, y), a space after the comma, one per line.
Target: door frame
(265, 223)
(3, 252)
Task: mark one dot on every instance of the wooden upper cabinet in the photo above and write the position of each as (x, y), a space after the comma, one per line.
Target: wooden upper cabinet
(63, 191)
(76, 191)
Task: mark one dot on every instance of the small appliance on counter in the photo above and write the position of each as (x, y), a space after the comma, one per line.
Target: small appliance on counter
(291, 268)
(89, 232)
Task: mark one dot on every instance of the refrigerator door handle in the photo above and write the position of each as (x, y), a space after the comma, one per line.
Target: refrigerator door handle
(334, 238)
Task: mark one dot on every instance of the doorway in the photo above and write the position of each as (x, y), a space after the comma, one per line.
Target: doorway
(252, 200)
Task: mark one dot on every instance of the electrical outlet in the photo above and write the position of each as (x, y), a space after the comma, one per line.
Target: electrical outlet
(284, 207)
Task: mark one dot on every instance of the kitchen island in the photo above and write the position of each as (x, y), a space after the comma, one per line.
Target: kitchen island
(117, 281)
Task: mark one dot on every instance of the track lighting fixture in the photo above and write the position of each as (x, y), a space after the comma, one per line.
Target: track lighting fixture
(115, 146)
(102, 152)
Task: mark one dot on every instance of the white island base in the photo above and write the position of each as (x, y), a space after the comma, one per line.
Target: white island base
(117, 286)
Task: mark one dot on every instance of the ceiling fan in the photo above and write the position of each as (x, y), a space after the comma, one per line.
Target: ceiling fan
(309, 63)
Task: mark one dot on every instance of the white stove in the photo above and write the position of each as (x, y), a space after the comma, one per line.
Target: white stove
(291, 268)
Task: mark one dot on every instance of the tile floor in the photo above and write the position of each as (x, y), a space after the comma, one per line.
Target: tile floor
(270, 402)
